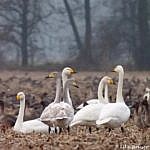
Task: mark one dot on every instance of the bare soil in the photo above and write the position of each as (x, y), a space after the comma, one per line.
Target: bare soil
(35, 85)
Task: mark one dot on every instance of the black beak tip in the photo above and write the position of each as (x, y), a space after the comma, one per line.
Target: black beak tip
(46, 77)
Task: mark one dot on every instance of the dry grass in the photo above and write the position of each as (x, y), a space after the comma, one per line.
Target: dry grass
(102, 139)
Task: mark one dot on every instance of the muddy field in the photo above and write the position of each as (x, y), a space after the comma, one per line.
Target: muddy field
(39, 92)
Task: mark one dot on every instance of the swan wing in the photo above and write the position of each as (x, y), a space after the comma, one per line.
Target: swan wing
(89, 113)
(99, 122)
(114, 114)
(92, 101)
(34, 126)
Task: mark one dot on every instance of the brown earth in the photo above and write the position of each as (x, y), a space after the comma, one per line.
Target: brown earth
(35, 86)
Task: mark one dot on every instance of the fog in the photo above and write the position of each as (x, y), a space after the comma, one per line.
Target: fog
(87, 33)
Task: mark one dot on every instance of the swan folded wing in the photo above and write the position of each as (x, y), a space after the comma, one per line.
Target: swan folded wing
(34, 126)
(89, 113)
(50, 112)
(58, 111)
(111, 122)
(103, 121)
(114, 113)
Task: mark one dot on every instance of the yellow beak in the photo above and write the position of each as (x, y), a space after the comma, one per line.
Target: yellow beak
(72, 71)
(75, 84)
(113, 70)
(110, 81)
(51, 75)
(17, 97)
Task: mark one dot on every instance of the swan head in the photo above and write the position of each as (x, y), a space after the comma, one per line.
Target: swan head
(20, 96)
(107, 80)
(68, 71)
(147, 90)
(52, 75)
(72, 82)
(118, 69)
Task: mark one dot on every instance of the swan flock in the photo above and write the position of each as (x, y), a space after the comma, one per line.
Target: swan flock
(60, 114)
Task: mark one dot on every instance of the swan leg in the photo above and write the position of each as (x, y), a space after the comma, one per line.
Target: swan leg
(55, 130)
(97, 129)
(122, 129)
(60, 130)
(109, 129)
(49, 130)
(68, 129)
(90, 130)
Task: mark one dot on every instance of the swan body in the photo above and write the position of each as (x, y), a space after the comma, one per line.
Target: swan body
(91, 101)
(87, 115)
(60, 113)
(90, 113)
(34, 125)
(28, 126)
(113, 115)
(95, 101)
(49, 113)
(66, 110)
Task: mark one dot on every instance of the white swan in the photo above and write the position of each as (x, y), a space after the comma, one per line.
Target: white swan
(28, 126)
(59, 113)
(113, 115)
(90, 113)
(95, 101)
(66, 111)
(147, 95)
(49, 113)
(66, 74)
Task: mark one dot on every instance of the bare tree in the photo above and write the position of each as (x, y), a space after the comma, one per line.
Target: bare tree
(73, 24)
(85, 54)
(143, 53)
(21, 19)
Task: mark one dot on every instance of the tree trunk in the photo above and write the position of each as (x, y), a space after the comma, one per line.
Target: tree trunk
(86, 53)
(74, 27)
(24, 35)
(143, 53)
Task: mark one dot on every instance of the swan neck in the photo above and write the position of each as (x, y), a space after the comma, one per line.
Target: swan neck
(119, 97)
(64, 80)
(58, 90)
(19, 120)
(106, 93)
(100, 92)
(147, 116)
(66, 94)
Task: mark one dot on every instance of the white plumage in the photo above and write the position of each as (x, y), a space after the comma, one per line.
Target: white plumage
(113, 115)
(60, 113)
(90, 113)
(28, 126)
